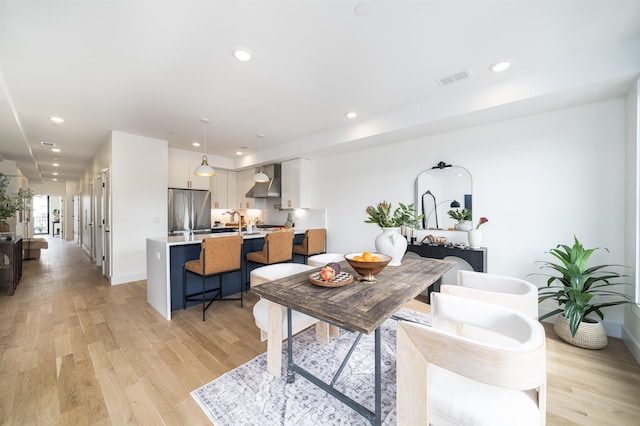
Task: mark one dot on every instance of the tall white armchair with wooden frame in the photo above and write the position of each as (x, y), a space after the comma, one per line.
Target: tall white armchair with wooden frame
(502, 290)
(478, 364)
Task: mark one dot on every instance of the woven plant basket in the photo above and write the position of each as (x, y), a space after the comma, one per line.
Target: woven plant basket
(590, 335)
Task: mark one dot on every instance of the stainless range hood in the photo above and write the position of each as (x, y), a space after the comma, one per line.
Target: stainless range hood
(269, 189)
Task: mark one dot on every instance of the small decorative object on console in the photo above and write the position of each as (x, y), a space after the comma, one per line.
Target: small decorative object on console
(432, 239)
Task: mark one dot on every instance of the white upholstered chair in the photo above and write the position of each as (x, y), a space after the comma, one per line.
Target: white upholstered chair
(506, 291)
(323, 259)
(478, 364)
(299, 321)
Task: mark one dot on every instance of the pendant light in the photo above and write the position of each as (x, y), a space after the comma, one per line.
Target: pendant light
(204, 169)
(261, 176)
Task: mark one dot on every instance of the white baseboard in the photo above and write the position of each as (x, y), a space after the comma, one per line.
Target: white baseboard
(128, 278)
(632, 344)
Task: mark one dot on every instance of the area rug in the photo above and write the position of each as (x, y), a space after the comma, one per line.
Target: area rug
(248, 395)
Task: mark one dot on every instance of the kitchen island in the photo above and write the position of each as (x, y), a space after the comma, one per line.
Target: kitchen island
(165, 262)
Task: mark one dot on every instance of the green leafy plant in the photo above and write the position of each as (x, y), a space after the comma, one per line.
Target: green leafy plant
(11, 202)
(382, 216)
(464, 214)
(581, 289)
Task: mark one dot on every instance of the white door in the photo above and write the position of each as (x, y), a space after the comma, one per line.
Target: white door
(97, 223)
(76, 218)
(106, 225)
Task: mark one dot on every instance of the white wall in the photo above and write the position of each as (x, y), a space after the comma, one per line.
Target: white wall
(139, 187)
(538, 179)
(631, 332)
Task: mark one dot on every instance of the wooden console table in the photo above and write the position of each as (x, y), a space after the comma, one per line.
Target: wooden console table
(10, 261)
(477, 258)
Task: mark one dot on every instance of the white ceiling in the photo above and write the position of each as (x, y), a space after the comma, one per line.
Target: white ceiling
(154, 68)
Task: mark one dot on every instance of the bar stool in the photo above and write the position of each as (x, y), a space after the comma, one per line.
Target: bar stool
(219, 256)
(314, 243)
(277, 248)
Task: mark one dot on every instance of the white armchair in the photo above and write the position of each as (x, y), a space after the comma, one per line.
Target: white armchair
(506, 291)
(478, 364)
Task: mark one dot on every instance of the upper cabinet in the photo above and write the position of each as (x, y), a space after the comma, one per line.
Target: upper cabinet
(223, 190)
(244, 184)
(181, 176)
(296, 184)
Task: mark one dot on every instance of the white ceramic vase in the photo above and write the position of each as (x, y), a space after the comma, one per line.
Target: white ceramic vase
(393, 244)
(464, 225)
(475, 238)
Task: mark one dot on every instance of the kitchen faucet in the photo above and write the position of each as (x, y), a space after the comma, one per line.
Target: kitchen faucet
(233, 214)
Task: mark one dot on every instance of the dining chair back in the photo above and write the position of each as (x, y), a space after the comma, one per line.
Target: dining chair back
(478, 363)
(506, 291)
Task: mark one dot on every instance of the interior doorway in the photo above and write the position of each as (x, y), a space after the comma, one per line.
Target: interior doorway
(40, 214)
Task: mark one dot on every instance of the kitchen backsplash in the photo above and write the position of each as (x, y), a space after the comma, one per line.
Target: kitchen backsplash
(302, 218)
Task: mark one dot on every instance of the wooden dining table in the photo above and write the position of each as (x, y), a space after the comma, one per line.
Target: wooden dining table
(359, 307)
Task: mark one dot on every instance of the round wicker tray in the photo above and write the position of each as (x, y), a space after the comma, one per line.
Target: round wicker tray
(341, 279)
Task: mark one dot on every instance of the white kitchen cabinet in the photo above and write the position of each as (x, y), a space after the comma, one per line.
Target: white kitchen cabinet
(244, 184)
(223, 190)
(296, 184)
(181, 176)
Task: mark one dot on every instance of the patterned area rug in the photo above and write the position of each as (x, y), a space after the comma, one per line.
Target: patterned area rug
(248, 395)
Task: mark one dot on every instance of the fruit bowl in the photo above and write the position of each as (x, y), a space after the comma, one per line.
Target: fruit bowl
(367, 269)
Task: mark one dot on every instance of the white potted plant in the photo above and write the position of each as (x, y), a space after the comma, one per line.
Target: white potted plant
(463, 217)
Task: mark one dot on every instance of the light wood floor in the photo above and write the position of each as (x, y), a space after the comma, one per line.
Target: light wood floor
(74, 350)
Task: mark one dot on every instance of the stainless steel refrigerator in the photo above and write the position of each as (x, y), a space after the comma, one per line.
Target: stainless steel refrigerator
(189, 211)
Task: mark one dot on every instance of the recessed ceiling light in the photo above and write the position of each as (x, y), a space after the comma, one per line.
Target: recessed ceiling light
(55, 173)
(196, 144)
(351, 114)
(242, 54)
(54, 179)
(56, 119)
(56, 165)
(500, 66)
(56, 149)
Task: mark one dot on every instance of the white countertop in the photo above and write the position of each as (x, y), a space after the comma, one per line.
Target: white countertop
(184, 239)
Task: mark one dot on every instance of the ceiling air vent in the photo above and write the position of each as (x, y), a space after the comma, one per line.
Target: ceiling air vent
(454, 78)
(49, 144)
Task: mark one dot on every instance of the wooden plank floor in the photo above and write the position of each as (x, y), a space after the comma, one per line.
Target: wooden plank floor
(74, 350)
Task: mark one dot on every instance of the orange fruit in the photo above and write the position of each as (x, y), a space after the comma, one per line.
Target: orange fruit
(357, 257)
(375, 259)
(367, 257)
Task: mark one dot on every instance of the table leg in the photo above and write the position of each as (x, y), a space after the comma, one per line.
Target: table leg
(378, 379)
(291, 375)
(322, 333)
(274, 340)
(334, 331)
